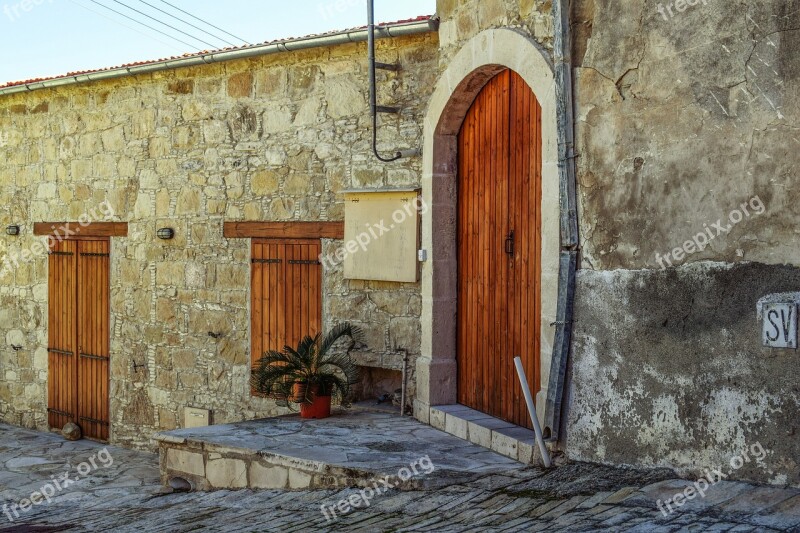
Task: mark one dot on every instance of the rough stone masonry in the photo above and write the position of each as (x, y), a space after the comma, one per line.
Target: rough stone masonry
(273, 138)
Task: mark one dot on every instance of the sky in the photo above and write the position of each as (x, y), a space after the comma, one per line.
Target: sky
(43, 38)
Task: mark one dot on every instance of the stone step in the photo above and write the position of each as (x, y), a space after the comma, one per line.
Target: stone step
(503, 437)
(356, 449)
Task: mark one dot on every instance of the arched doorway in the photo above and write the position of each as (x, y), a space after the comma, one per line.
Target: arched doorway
(499, 236)
(480, 59)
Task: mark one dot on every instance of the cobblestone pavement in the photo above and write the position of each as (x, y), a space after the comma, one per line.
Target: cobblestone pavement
(125, 496)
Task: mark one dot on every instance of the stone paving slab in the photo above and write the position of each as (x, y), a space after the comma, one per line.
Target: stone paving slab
(126, 497)
(352, 449)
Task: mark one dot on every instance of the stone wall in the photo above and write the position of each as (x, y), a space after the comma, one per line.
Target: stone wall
(272, 138)
(462, 20)
(686, 135)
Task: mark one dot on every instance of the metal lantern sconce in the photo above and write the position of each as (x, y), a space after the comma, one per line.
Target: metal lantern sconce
(165, 234)
(12, 230)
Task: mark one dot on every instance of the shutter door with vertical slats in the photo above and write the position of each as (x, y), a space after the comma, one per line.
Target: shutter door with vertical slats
(62, 378)
(78, 335)
(286, 296)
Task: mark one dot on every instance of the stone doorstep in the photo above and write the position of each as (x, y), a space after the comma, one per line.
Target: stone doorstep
(503, 437)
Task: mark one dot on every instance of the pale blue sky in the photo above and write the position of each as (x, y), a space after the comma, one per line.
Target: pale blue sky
(41, 38)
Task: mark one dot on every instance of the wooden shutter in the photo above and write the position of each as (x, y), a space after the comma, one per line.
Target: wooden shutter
(286, 297)
(93, 338)
(62, 377)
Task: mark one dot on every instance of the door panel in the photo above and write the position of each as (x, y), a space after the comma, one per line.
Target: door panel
(78, 334)
(499, 247)
(93, 338)
(62, 347)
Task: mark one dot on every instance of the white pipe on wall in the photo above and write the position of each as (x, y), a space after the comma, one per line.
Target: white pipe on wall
(526, 390)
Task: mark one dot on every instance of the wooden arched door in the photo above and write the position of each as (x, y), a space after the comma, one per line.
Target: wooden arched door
(499, 244)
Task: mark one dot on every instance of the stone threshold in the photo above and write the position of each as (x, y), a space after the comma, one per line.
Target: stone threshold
(502, 437)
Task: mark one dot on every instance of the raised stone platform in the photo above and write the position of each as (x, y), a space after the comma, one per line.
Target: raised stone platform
(357, 448)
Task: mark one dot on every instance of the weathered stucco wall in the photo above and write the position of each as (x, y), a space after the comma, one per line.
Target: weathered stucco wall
(272, 138)
(687, 143)
(669, 370)
(680, 121)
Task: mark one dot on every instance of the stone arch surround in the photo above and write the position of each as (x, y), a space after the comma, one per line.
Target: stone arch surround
(478, 61)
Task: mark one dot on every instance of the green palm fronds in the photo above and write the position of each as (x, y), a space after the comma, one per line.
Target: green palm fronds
(313, 363)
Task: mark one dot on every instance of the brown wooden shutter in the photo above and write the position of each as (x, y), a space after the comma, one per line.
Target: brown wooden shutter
(93, 338)
(62, 377)
(286, 299)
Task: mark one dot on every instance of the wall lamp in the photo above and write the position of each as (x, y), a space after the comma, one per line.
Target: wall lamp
(165, 234)
(12, 230)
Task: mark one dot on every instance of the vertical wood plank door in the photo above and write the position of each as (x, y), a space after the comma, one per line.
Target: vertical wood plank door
(499, 244)
(79, 334)
(62, 375)
(286, 293)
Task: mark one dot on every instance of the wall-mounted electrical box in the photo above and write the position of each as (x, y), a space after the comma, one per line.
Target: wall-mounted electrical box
(381, 235)
(196, 418)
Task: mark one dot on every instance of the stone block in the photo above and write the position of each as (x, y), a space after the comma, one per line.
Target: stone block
(268, 477)
(265, 182)
(227, 473)
(505, 445)
(299, 479)
(240, 85)
(528, 453)
(185, 462)
(438, 418)
(455, 426)
(422, 412)
(478, 434)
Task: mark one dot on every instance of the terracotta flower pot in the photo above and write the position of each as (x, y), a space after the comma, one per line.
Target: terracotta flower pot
(299, 390)
(319, 407)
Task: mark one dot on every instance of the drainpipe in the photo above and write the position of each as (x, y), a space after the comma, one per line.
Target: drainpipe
(373, 90)
(405, 383)
(570, 244)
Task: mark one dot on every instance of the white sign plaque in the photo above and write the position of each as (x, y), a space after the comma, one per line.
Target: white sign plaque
(780, 325)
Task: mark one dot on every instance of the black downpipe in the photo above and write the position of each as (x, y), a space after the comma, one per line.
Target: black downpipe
(373, 93)
(557, 393)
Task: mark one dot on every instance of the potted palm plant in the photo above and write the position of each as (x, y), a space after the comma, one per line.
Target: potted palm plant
(313, 374)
